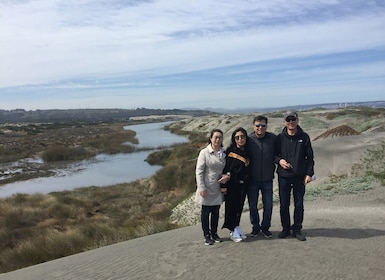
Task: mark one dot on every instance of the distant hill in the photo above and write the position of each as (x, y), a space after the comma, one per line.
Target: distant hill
(111, 115)
(373, 104)
(89, 115)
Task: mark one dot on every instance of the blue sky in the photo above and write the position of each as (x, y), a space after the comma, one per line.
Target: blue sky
(64, 54)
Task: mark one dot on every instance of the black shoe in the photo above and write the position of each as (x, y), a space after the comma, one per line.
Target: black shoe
(300, 236)
(266, 233)
(254, 233)
(216, 238)
(208, 241)
(284, 234)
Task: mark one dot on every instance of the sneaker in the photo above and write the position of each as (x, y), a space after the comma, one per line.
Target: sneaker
(216, 238)
(235, 236)
(266, 233)
(208, 241)
(240, 232)
(284, 234)
(254, 233)
(300, 236)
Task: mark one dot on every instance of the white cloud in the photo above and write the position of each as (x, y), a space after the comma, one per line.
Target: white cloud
(130, 44)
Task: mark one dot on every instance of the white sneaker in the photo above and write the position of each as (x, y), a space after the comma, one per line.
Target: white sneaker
(240, 232)
(235, 236)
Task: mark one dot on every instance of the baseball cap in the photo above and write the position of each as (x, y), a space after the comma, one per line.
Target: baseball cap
(290, 114)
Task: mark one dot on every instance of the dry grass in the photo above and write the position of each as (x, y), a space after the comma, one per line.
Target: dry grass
(342, 130)
(39, 228)
(28, 140)
(59, 144)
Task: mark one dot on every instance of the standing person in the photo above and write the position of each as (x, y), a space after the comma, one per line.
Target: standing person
(295, 168)
(237, 163)
(210, 163)
(262, 167)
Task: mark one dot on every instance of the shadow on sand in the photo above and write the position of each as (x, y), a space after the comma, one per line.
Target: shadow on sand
(346, 233)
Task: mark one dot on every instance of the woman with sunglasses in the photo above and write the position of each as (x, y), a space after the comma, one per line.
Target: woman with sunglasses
(237, 167)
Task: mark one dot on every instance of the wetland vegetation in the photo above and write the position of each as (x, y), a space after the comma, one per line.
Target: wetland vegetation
(38, 228)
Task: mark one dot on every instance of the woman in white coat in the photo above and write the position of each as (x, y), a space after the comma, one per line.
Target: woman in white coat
(210, 163)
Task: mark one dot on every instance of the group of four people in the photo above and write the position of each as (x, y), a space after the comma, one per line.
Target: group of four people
(246, 169)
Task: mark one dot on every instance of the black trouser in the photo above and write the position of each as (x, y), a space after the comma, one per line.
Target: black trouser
(210, 224)
(235, 199)
(286, 184)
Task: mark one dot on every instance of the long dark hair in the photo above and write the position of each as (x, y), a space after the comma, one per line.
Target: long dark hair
(241, 129)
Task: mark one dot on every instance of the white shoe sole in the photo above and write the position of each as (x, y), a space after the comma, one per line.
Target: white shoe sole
(236, 239)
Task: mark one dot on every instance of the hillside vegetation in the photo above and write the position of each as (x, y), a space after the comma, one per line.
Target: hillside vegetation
(39, 228)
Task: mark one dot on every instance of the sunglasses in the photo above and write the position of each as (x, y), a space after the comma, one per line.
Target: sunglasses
(291, 119)
(239, 137)
(260, 125)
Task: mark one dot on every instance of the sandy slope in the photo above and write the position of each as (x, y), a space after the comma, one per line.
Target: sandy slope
(346, 234)
(346, 240)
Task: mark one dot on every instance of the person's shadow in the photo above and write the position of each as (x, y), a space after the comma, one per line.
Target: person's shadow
(346, 233)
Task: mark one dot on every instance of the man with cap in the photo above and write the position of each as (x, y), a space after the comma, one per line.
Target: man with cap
(295, 160)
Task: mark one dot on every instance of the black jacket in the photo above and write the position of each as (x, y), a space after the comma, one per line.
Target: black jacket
(238, 169)
(262, 151)
(296, 150)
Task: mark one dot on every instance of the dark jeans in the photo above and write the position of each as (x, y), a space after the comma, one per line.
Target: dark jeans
(286, 184)
(210, 219)
(266, 188)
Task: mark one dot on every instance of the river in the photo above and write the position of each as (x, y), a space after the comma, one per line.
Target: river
(103, 170)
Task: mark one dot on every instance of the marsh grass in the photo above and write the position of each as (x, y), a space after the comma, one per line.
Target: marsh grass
(112, 143)
(38, 228)
(62, 153)
(107, 143)
(57, 142)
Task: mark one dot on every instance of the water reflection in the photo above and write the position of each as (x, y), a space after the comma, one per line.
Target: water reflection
(104, 169)
(153, 135)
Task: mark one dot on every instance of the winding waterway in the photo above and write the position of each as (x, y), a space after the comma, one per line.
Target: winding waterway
(103, 170)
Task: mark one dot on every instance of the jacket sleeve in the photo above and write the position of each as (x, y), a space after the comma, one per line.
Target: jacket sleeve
(277, 149)
(309, 158)
(200, 170)
(227, 167)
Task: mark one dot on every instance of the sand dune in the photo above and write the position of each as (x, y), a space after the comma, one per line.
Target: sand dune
(345, 240)
(345, 233)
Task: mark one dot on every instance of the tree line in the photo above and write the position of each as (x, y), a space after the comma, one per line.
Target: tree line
(88, 115)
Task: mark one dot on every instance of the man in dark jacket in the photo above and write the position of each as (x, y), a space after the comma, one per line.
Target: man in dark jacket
(294, 156)
(262, 167)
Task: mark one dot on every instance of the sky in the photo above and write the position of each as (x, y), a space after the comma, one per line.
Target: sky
(172, 54)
